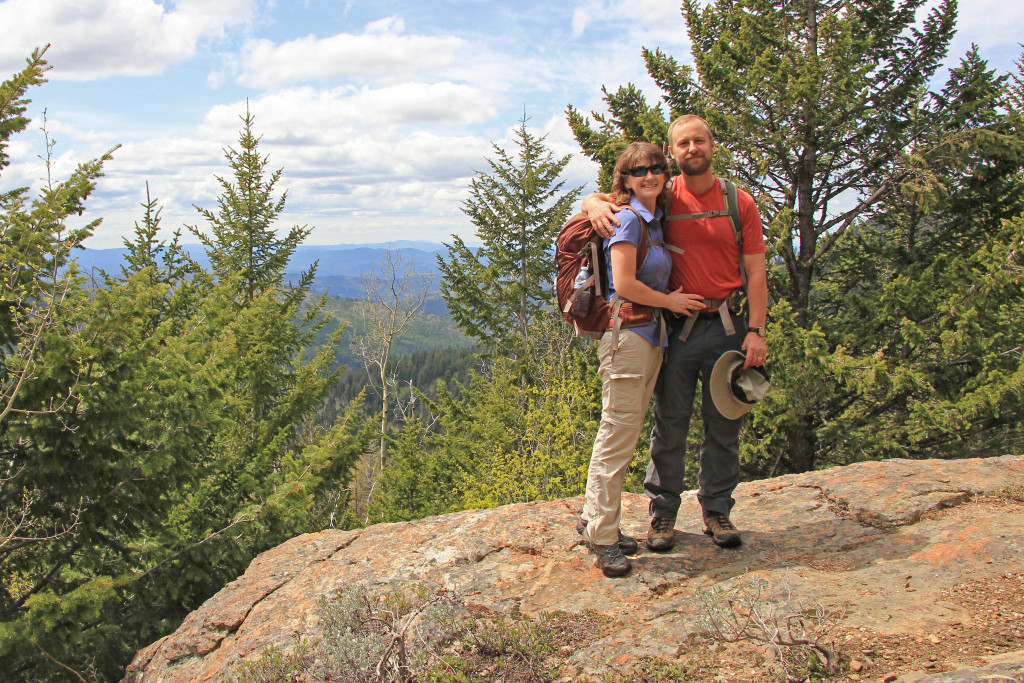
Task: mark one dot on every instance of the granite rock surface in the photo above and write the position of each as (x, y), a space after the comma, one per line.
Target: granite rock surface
(890, 543)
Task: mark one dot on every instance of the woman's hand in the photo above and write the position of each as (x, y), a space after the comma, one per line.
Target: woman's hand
(686, 304)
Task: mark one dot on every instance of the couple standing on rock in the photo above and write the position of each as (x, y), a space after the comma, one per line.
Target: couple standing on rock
(692, 272)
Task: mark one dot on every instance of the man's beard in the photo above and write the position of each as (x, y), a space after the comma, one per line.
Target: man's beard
(696, 165)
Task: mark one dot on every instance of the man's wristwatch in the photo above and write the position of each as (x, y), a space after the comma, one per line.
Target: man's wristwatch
(756, 330)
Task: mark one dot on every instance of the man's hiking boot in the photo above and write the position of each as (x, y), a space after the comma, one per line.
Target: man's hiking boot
(610, 559)
(721, 530)
(662, 534)
(627, 544)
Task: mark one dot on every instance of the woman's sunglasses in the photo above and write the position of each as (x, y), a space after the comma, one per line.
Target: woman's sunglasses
(641, 171)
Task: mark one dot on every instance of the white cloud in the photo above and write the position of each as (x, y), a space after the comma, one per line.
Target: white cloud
(321, 116)
(357, 164)
(379, 53)
(976, 24)
(582, 16)
(649, 22)
(378, 129)
(97, 38)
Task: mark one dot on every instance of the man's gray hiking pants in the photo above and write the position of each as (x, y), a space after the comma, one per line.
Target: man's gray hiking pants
(685, 364)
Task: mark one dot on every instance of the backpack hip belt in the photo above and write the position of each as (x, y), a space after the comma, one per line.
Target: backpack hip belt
(626, 314)
(723, 312)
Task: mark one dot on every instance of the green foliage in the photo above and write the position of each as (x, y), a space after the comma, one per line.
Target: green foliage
(503, 440)
(13, 103)
(544, 432)
(926, 296)
(414, 485)
(156, 432)
(500, 292)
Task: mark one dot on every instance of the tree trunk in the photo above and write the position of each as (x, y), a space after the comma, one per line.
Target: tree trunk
(803, 445)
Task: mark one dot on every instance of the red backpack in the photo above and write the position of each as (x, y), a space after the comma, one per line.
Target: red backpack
(581, 280)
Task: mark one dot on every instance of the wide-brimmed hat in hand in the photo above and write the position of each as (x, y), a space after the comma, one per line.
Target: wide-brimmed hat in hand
(735, 390)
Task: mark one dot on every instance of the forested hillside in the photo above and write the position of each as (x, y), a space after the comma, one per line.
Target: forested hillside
(427, 331)
(161, 428)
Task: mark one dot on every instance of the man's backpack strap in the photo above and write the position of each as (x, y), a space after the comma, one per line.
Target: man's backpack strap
(732, 208)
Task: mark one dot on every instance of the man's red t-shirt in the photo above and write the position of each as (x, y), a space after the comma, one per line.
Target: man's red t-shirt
(709, 265)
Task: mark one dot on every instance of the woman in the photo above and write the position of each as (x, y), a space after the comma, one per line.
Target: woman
(629, 370)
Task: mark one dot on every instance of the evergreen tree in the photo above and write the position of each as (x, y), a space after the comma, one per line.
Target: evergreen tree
(275, 383)
(242, 243)
(65, 452)
(415, 484)
(497, 293)
(155, 434)
(924, 297)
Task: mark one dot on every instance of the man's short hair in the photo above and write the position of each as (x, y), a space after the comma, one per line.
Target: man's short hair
(685, 119)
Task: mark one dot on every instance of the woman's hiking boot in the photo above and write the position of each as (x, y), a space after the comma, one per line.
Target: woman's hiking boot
(610, 559)
(627, 544)
(662, 534)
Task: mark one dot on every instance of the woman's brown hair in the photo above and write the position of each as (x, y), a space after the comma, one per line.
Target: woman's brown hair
(639, 154)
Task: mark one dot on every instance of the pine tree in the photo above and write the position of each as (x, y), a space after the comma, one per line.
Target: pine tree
(497, 292)
(59, 489)
(276, 379)
(242, 242)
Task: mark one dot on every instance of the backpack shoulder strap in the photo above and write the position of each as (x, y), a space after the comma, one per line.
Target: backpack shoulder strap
(732, 209)
(643, 248)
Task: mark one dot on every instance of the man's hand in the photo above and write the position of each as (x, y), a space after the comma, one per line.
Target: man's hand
(601, 210)
(755, 348)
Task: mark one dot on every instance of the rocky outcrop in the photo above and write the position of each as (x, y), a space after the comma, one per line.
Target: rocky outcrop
(925, 557)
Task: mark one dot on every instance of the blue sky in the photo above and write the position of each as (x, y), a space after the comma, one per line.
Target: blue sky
(378, 112)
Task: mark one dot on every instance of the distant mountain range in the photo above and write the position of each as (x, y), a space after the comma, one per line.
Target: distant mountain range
(339, 266)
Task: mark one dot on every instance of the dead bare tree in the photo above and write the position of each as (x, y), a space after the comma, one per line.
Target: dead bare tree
(394, 294)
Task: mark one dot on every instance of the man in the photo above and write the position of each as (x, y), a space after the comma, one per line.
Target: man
(709, 266)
